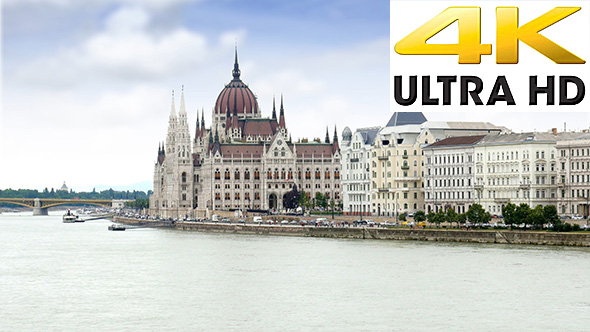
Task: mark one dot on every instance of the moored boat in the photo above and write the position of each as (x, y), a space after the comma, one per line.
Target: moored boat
(115, 227)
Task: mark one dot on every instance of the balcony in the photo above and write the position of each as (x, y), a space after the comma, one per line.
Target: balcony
(354, 160)
(382, 157)
(405, 167)
(478, 186)
(383, 190)
(405, 156)
(525, 186)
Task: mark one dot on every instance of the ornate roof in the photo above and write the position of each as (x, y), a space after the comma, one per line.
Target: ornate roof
(236, 96)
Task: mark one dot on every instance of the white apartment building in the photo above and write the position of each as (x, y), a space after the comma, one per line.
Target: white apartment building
(574, 175)
(397, 176)
(356, 165)
(449, 179)
(517, 168)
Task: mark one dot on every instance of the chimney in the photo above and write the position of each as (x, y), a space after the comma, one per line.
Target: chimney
(554, 130)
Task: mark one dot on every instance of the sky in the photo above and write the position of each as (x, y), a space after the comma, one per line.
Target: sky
(86, 85)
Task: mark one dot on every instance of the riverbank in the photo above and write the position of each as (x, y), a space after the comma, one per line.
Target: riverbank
(402, 234)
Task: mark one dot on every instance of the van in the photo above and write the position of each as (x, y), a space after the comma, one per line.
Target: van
(257, 219)
(214, 217)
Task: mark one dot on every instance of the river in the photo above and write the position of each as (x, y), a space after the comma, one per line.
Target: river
(82, 277)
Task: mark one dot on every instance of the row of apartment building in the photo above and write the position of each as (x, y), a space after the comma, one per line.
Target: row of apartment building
(413, 164)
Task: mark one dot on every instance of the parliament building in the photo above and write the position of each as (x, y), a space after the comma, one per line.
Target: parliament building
(243, 161)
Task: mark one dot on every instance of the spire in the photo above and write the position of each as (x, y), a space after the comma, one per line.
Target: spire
(216, 136)
(182, 107)
(203, 122)
(198, 128)
(172, 108)
(274, 108)
(335, 134)
(163, 148)
(327, 136)
(210, 138)
(282, 114)
(236, 71)
(227, 119)
(159, 148)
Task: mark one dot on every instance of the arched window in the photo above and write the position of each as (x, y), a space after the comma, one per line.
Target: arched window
(256, 174)
(183, 177)
(247, 174)
(217, 174)
(337, 174)
(269, 174)
(283, 174)
(227, 173)
(327, 174)
(237, 174)
(317, 174)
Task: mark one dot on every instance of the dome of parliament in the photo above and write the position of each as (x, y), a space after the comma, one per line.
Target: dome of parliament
(236, 96)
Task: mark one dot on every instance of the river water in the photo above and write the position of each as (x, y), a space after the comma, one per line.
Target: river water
(82, 277)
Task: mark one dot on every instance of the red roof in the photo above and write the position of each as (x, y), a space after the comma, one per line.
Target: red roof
(315, 149)
(239, 150)
(255, 127)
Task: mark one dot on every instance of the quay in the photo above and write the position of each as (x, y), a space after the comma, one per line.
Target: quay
(581, 239)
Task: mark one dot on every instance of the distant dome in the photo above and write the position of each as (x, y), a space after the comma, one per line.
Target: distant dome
(346, 134)
(236, 95)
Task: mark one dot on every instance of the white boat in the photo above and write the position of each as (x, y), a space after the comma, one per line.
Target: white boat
(69, 217)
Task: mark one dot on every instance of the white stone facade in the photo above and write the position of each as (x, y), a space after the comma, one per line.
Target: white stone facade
(574, 175)
(356, 170)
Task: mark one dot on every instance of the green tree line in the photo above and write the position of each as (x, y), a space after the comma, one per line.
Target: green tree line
(62, 194)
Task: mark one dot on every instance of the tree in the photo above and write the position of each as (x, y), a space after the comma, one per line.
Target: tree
(550, 214)
(292, 198)
(509, 211)
(437, 218)
(451, 216)
(402, 217)
(477, 215)
(536, 216)
(419, 216)
(521, 214)
(461, 218)
(305, 201)
(321, 200)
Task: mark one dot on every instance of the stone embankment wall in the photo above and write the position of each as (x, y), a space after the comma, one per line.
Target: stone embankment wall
(446, 235)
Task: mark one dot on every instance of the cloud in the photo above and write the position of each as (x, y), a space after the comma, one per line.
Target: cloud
(75, 3)
(124, 50)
